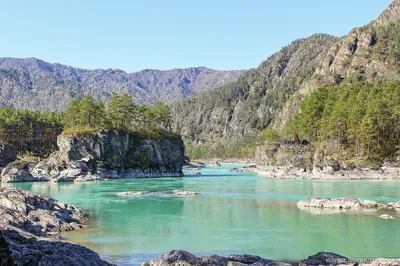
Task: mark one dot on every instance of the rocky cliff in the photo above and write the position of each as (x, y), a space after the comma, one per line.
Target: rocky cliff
(112, 154)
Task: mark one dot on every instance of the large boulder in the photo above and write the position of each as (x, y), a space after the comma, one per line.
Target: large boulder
(112, 154)
(7, 154)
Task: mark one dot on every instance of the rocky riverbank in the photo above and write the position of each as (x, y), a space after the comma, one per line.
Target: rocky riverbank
(289, 160)
(103, 154)
(30, 228)
(184, 258)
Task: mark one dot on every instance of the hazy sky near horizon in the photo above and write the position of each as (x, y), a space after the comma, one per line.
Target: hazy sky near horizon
(166, 34)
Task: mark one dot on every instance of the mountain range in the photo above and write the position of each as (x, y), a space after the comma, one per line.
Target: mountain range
(272, 92)
(37, 85)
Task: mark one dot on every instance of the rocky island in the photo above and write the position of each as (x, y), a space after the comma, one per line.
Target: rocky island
(102, 154)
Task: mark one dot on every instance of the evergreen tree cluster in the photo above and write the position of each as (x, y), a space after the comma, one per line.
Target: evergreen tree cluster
(120, 113)
(30, 132)
(362, 117)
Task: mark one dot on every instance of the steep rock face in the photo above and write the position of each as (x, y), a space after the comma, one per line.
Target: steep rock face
(34, 84)
(7, 154)
(112, 154)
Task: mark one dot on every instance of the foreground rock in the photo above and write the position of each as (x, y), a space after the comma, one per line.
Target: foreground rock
(31, 225)
(7, 154)
(112, 154)
(328, 258)
(345, 204)
(184, 258)
(291, 160)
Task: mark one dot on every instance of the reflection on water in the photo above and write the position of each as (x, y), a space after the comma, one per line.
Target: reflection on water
(236, 213)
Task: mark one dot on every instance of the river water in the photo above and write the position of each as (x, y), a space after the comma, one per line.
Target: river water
(235, 213)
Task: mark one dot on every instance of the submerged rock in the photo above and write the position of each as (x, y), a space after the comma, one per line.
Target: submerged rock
(184, 258)
(7, 154)
(157, 193)
(185, 193)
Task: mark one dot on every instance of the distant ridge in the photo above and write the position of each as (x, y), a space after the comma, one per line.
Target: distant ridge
(34, 84)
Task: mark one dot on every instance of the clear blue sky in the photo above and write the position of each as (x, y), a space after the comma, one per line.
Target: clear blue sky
(165, 34)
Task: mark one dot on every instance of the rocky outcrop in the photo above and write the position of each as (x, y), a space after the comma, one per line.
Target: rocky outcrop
(7, 154)
(31, 225)
(290, 160)
(184, 258)
(112, 154)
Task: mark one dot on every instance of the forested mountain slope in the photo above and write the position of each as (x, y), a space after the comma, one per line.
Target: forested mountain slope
(34, 84)
(272, 92)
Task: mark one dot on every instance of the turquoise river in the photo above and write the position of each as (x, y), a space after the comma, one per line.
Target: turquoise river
(235, 213)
